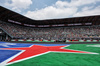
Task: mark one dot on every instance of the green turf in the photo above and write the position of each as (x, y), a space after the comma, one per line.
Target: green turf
(66, 59)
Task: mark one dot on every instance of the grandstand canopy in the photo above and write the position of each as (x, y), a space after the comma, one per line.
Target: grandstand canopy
(6, 14)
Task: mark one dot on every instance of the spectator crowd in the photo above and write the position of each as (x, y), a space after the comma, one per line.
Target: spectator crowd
(54, 33)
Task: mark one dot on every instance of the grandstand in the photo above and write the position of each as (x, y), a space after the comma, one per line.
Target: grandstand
(20, 28)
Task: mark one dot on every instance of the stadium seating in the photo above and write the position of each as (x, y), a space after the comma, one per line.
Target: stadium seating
(58, 33)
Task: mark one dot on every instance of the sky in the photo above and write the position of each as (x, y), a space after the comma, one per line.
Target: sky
(53, 9)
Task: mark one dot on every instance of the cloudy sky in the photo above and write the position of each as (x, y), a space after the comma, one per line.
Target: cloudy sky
(53, 9)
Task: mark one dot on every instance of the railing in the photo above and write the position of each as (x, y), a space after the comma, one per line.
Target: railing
(6, 32)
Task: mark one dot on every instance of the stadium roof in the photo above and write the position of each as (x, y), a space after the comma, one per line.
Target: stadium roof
(6, 14)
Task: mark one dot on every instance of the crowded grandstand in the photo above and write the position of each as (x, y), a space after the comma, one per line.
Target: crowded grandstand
(17, 27)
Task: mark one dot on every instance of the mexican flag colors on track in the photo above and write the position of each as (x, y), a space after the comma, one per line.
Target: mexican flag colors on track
(19, 54)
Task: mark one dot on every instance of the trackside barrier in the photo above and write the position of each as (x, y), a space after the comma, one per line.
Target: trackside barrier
(14, 40)
(30, 40)
(45, 41)
(36, 41)
(94, 40)
(21, 40)
(67, 41)
(81, 40)
(72, 40)
(88, 40)
(52, 40)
